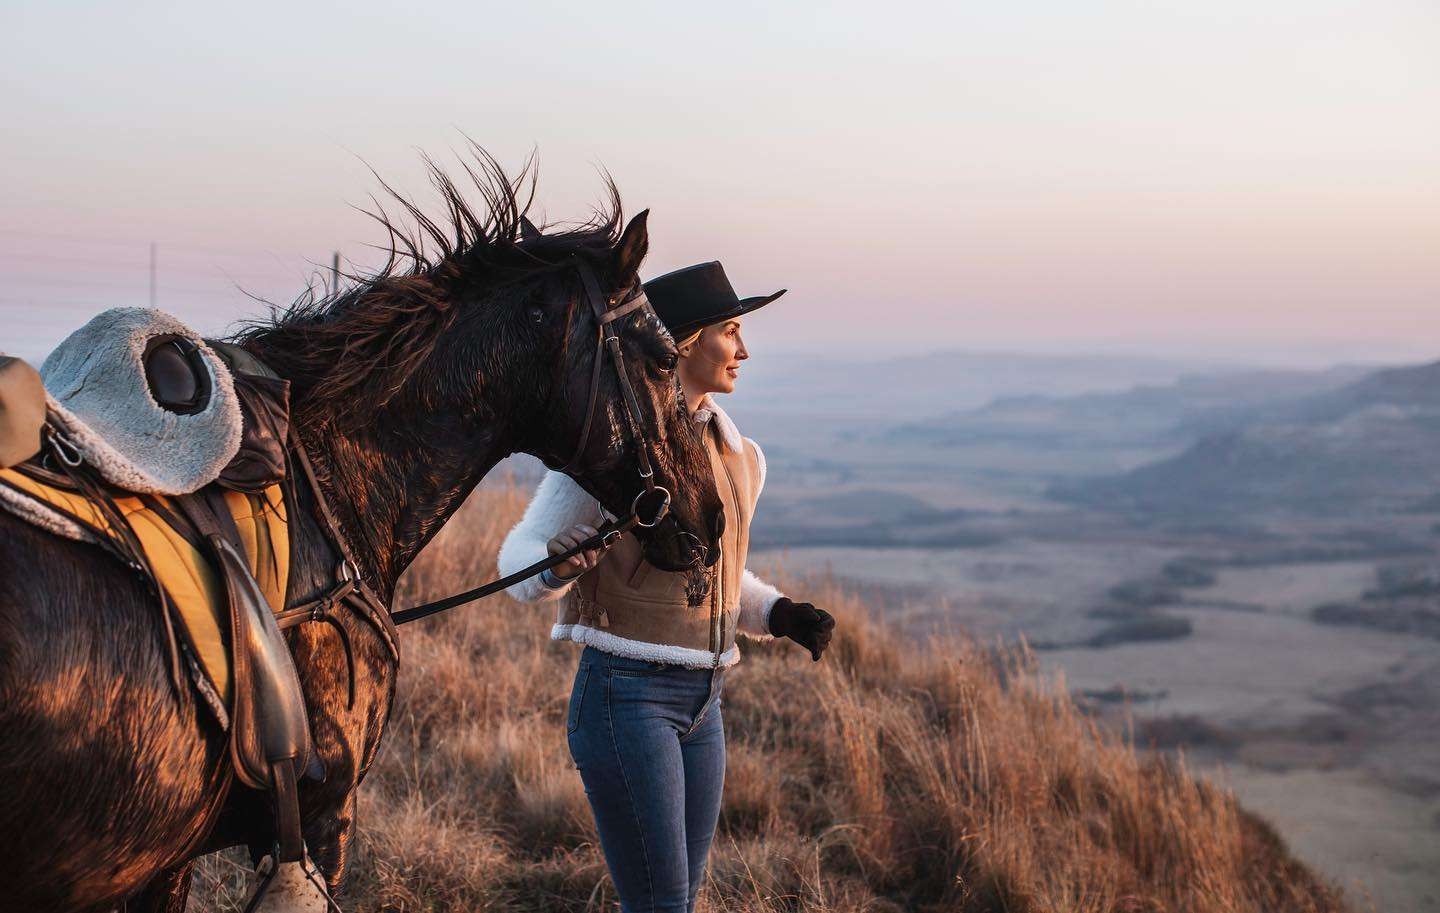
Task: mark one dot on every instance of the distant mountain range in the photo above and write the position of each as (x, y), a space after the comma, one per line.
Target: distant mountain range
(1152, 415)
(1372, 445)
(913, 387)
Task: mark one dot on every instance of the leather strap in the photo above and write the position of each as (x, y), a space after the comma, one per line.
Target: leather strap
(574, 462)
(129, 550)
(616, 313)
(601, 538)
(350, 587)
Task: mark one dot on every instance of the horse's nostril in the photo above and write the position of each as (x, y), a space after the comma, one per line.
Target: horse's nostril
(719, 524)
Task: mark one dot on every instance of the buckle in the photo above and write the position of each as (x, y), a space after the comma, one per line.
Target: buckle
(64, 448)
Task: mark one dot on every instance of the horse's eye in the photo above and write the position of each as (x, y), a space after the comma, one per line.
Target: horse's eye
(537, 315)
(667, 362)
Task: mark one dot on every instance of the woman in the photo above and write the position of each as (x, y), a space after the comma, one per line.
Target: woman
(644, 722)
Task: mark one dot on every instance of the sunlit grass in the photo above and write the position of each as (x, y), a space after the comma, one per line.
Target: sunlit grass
(888, 777)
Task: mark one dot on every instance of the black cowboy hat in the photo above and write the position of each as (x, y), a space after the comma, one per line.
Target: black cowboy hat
(694, 297)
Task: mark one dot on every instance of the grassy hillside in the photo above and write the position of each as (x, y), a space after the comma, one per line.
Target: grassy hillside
(887, 777)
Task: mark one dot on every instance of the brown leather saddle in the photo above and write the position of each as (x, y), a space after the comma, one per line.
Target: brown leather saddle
(270, 740)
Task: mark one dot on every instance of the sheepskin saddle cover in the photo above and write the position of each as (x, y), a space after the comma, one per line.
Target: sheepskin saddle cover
(100, 400)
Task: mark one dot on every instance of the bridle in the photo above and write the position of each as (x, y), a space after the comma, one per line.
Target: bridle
(650, 505)
(607, 338)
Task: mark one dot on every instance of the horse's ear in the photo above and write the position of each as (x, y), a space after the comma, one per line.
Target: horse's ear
(634, 244)
(528, 231)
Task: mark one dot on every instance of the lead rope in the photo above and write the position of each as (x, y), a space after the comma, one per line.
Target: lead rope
(609, 531)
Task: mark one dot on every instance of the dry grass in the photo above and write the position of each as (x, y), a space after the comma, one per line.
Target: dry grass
(887, 777)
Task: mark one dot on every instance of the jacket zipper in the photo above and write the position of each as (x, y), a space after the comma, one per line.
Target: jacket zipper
(715, 612)
(719, 611)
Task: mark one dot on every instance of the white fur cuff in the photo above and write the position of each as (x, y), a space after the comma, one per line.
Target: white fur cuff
(757, 598)
(640, 649)
(558, 504)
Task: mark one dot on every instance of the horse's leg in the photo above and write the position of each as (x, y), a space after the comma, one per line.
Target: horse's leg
(345, 725)
(346, 737)
(297, 887)
(328, 842)
(166, 894)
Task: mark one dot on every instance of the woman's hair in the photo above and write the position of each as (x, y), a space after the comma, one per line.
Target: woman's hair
(682, 343)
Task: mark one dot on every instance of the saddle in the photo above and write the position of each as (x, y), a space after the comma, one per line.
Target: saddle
(169, 452)
(144, 401)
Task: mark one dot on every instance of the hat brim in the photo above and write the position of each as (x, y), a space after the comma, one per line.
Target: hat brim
(743, 307)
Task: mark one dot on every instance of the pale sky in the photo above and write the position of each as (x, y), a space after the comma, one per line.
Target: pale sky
(1219, 178)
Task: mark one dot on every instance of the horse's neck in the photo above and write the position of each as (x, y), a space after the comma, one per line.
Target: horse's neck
(391, 494)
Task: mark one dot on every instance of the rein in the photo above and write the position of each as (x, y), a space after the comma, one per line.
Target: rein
(610, 530)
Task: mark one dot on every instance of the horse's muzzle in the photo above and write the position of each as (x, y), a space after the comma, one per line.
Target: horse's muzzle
(700, 555)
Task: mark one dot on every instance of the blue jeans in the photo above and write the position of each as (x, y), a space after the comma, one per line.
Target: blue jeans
(650, 745)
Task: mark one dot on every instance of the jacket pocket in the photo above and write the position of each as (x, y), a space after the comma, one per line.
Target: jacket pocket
(639, 575)
(577, 700)
(647, 583)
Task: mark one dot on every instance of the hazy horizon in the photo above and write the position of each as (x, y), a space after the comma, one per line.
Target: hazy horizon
(1215, 182)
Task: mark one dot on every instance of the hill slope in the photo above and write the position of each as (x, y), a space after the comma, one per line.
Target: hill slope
(887, 777)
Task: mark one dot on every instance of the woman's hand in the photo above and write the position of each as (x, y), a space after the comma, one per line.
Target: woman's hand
(578, 563)
(808, 626)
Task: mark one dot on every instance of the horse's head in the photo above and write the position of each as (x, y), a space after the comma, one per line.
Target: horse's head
(414, 382)
(614, 417)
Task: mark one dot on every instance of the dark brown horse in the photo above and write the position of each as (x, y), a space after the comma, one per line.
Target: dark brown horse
(472, 344)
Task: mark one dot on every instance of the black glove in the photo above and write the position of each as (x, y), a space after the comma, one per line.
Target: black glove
(808, 626)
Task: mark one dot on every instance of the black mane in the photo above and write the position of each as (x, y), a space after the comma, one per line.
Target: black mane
(358, 343)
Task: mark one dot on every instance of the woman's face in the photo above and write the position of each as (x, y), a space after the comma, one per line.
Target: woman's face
(711, 363)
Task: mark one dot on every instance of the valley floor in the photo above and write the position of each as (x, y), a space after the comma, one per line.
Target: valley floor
(1332, 733)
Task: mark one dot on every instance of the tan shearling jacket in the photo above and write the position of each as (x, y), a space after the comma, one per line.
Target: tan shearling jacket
(628, 607)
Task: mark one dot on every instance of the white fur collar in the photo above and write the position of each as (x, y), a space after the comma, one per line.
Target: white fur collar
(728, 432)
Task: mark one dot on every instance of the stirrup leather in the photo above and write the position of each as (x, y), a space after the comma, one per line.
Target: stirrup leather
(269, 733)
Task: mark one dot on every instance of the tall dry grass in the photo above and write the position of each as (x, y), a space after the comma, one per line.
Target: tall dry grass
(890, 776)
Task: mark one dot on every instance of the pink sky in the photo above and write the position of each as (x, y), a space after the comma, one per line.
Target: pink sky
(1208, 179)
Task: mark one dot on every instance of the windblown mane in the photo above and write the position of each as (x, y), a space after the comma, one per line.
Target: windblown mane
(360, 343)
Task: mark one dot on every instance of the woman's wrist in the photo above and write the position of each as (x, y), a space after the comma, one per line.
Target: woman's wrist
(553, 580)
